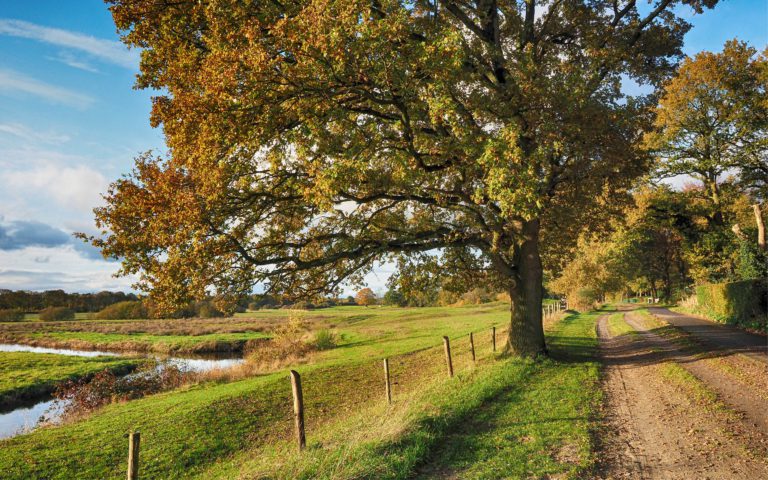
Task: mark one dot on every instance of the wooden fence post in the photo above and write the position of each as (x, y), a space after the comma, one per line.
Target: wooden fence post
(472, 345)
(447, 345)
(134, 439)
(298, 409)
(493, 335)
(386, 377)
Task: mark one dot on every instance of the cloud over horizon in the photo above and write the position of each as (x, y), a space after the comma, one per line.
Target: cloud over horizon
(16, 235)
(22, 234)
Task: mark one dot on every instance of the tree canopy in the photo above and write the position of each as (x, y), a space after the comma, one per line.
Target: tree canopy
(712, 119)
(309, 139)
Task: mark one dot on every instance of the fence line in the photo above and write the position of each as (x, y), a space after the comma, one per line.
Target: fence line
(409, 361)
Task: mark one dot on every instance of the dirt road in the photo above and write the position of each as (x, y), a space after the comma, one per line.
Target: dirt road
(664, 423)
(717, 336)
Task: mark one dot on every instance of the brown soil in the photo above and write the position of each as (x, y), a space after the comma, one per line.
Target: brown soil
(657, 428)
(716, 336)
(739, 384)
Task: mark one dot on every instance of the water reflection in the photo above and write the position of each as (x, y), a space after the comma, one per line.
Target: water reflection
(10, 347)
(28, 417)
(192, 363)
(25, 419)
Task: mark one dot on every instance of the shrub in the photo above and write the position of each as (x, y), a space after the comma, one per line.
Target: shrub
(752, 261)
(54, 314)
(123, 311)
(290, 344)
(11, 315)
(583, 299)
(394, 297)
(742, 303)
(365, 297)
(207, 310)
(476, 296)
(87, 394)
(301, 305)
(325, 339)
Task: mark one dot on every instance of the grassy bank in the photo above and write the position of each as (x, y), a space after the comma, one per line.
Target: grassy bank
(503, 418)
(217, 430)
(25, 376)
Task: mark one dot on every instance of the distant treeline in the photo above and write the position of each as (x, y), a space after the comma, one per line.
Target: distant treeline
(128, 305)
(80, 302)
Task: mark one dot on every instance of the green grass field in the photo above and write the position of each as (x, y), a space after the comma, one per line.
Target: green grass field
(497, 418)
(382, 329)
(25, 375)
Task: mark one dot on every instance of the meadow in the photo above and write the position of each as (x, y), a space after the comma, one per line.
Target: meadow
(27, 376)
(226, 428)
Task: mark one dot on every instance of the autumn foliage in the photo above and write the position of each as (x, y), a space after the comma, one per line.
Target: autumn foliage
(311, 139)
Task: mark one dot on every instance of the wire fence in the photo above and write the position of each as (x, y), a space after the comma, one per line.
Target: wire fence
(327, 392)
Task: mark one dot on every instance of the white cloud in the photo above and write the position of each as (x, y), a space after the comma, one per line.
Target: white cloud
(13, 83)
(26, 133)
(109, 51)
(61, 267)
(71, 60)
(73, 188)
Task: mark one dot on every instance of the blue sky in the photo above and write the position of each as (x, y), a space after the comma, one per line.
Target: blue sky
(70, 123)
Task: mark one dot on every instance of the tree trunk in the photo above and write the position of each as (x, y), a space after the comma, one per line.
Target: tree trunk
(717, 214)
(760, 226)
(526, 332)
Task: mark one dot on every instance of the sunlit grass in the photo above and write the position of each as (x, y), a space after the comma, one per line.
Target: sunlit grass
(27, 375)
(540, 410)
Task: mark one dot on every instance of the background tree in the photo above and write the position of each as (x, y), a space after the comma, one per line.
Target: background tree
(592, 274)
(653, 241)
(417, 279)
(310, 139)
(365, 297)
(394, 297)
(713, 118)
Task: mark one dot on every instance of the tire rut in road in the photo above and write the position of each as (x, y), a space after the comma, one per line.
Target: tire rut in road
(746, 398)
(655, 429)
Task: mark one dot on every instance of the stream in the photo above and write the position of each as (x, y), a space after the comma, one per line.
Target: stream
(28, 417)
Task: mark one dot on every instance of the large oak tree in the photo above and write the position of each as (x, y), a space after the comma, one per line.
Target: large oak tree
(309, 139)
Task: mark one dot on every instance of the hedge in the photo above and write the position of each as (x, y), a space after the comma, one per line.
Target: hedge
(128, 310)
(53, 314)
(11, 315)
(743, 303)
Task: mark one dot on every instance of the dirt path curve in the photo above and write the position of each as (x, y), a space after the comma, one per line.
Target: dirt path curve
(656, 429)
(741, 386)
(717, 335)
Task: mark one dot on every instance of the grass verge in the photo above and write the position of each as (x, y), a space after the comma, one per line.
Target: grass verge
(617, 326)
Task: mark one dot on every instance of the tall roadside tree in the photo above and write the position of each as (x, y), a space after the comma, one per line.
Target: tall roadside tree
(310, 139)
(713, 118)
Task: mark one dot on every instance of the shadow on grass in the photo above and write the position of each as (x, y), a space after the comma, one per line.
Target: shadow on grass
(435, 439)
(510, 432)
